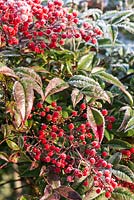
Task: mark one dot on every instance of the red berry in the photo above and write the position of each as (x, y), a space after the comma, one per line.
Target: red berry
(47, 109)
(54, 104)
(74, 113)
(71, 137)
(85, 183)
(131, 150)
(59, 108)
(83, 106)
(92, 161)
(49, 117)
(98, 190)
(104, 154)
(43, 114)
(71, 126)
(39, 105)
(104, 112)
(108, 194)
(82, 137)
(43, 127)
(109, 126)
(47, 159)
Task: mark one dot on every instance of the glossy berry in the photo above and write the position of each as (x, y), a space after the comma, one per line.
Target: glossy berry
(85, 183)
(39, 105)
(54, 104)
(71, 126)
(104, 112)
(108, 194)
(104, 154)
(83, 106)
(132, 150)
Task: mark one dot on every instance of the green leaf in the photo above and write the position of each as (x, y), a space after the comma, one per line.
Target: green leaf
(7, 71)
(108, 135)
(130, 125)
(118, 144)
(113, 31)
(81, 81)
(113, 80)
(115, 158)
(123, 172)
(55, 85)
(97, 122)
(12, 145)
(85, 62)
(76, 97)
(120, 16)
(122, 194)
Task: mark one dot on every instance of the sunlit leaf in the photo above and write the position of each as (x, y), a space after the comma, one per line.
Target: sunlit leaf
(3, 156)
(119, 144)
(76, 97)
(19, 96)
(115, 158)
(7, 71)
(12, 145)
(55, 85)
(123, 172)
(97, 122)
(122, 194)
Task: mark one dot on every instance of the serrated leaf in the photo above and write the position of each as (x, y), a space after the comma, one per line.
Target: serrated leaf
(55, 85)
(3, 156)
(118, 144)
(115, 158)
(7, 71)
(68, 193)
(85, 62)
(97, 122)
(76, 97)
(19, 96)
(113, 80)
(12, 145)
(130, 124)
(28, 72)
(122, 194)
(89, 87)
(123, 172)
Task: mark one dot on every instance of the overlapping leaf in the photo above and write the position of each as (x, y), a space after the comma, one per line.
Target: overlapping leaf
(97, 122)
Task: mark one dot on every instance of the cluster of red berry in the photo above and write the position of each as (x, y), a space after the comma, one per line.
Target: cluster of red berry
(127, 153)
(125, 184)
(109, 119)
(68, 146)
(30, 24)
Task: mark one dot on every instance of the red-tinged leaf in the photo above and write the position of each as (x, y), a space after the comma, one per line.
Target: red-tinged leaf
(97, 122)
(55, 85)
(47, 192)
(29, 73)
(68, 193)
(14, 158)
(29, 97)
(7, 71)
(3, 156)
(34, 85)
(19, 96)
(76, 97)
(126, 117)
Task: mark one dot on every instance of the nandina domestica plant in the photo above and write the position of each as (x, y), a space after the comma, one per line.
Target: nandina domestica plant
(58, 128)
